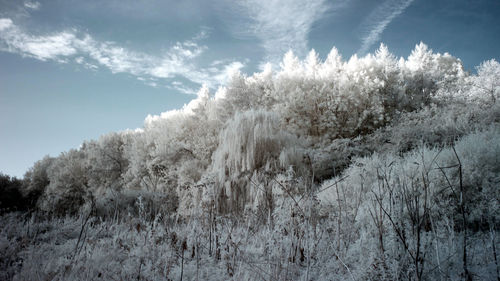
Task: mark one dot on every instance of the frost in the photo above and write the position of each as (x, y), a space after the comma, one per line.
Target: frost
(371, 168)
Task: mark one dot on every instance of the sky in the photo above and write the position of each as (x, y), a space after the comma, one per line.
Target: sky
(72, 70)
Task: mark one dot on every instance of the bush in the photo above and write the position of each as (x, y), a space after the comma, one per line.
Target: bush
(11, 197)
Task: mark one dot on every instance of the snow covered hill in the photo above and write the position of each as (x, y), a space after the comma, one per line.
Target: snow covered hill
(374, 168)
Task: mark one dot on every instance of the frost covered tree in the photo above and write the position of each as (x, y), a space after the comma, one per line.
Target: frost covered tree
(106, 162)
(424, 72)
(68, 183)
(253, 142)
(36, 179)
(140, 174)
(486, 84)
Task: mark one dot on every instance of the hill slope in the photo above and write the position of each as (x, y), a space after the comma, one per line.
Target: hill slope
(372, 168)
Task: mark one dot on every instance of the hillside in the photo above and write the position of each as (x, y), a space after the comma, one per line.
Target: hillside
(372, 168)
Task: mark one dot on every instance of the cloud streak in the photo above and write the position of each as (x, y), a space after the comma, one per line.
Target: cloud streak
(81, 48)
(32, 5)
(282, 25)
(378, 21)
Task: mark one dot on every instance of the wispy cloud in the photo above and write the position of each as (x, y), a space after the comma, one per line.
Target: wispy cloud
(282, 25)
(83, 49)
(378, 21)
(32, 5)
(51, 47)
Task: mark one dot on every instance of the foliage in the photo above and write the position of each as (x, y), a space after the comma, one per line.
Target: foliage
(11, 197)
(373, 168)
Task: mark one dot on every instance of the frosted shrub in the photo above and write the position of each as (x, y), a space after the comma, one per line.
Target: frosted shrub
(411, 206)
(433, 126)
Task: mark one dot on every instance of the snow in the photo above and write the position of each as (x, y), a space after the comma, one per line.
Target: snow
(374, 168)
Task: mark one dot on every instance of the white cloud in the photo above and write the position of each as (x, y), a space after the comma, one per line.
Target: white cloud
(54, 46)
(87, 65)
(282, 25)
(179, 60)
(379, 19)
(48, 47)
(5, 23)
(183, 89)
(152, 84)
(228, 71)
(32, 5)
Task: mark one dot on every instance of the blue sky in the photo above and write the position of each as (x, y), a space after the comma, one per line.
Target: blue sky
(72, 70)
